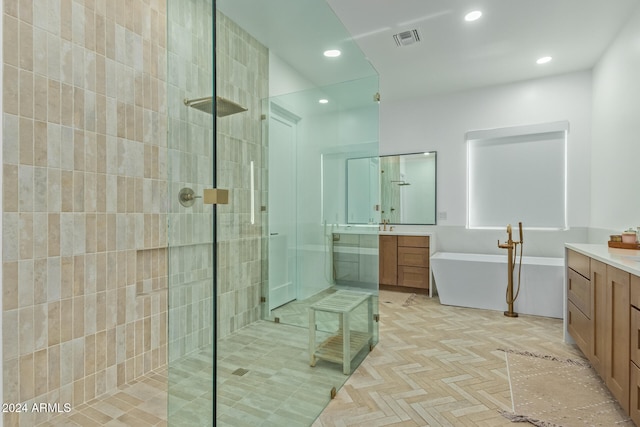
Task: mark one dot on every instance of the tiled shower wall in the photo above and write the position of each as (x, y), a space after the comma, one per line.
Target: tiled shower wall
(84, 223)
(242, 77)
(190, 163)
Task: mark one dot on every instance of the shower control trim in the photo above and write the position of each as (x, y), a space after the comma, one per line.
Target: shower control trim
(211, 196)
(187, 197)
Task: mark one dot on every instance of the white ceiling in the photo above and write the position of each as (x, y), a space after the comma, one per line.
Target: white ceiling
(452, 55)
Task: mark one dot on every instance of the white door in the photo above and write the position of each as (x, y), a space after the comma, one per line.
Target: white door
(282, 209)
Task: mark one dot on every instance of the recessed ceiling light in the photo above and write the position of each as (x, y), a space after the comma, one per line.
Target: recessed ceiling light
(332, 53)
(323, 101)
(472, 16)
(544, 60)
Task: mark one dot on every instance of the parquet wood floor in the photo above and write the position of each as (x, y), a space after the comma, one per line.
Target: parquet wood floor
(439, 366)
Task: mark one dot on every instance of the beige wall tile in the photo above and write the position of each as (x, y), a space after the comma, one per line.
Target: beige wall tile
(11, 341)
(53, 323)
(27, 381)
(26, 141)
(40, 93)
(53, 234)
(10, 188)
(78, 318)
(40, 327)
(54, 99)
(66, 320)
(73, 192)
(25, 280)
(66, 368)
(26, 11)
(26, 45)
(40, 366)
(10, 285)
(66, 105)
(40, 272)
(53, 362)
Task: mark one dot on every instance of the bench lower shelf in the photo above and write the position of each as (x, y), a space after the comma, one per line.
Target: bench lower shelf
(331, 349)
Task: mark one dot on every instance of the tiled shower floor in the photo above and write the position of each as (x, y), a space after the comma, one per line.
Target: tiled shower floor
(279, 387)
(140, 403)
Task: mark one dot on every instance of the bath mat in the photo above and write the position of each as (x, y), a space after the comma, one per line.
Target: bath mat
(409, 300)
(395, 298)
(550, 391)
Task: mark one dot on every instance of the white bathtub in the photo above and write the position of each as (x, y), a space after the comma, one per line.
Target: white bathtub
(480, 281)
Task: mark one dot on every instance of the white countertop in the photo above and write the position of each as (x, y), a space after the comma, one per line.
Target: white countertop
(404, 233)
(358, 229)
(363, 230)
(625, 259)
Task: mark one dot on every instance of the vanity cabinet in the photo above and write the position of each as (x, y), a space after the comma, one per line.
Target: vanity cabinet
(580, 296)
(404, 261)
(634, 365)
(388, 248)
(603, 317)
(597, 355)
(617, 330)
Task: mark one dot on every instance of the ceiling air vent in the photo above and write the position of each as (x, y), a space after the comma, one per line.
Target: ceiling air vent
(406, 38)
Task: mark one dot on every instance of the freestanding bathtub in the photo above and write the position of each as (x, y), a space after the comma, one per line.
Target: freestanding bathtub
(480, 281)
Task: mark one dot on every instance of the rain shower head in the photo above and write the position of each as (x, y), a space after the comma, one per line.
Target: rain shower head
(224, 107)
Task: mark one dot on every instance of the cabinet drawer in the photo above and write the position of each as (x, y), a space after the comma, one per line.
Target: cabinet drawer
(578, 262)
(579, 292)
(413, 277)
(635, 291)
(635, 338)
(634, 382)
(579, 327)
(415, 241)
(413, 257)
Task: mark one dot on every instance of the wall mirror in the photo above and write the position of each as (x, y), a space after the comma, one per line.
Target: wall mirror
(407, 184)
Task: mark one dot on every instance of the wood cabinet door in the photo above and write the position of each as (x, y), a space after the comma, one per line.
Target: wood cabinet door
(413, 277)
(413, 257)
(579, 327)
(388, 260)
(635, 335)
(414, 241)
(598, 314)
(617, 329)
(634, 411)
(579, 291)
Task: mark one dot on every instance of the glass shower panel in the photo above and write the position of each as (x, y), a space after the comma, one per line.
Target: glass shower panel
(309, 144)
(191, 232)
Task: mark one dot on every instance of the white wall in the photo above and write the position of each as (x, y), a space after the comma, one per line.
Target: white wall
(283, 78)
(439, 124)
(615, 156)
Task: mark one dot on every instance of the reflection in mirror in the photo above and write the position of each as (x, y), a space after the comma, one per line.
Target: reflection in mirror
(408, 188)
(407, 184)
(363, 188)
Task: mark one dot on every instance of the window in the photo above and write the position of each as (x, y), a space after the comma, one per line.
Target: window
(517, 174)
